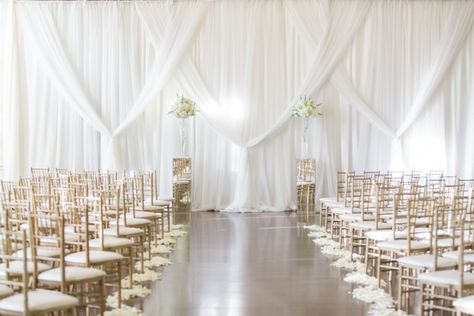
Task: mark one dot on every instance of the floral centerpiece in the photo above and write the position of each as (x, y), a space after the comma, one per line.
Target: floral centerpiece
(182, 109)
(306, 109)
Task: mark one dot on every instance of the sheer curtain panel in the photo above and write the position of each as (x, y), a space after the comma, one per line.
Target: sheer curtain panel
(89, 85)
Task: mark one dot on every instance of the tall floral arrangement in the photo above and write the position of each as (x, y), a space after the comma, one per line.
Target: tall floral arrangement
(306, 109)
(183, 108)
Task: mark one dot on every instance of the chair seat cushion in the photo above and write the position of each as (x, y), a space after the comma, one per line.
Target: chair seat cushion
(341, 210)
(446, 277)
(450, 242)
(111, 242)
(122, 231)
(40, 252)
(144, 214)
(5, 291)
(72, 274)
(384, 235)
(152, 208)
(95, 257)
(468, 256)
(159, 202)
(465, 304)
(426, 261)
(38, 301)
(16, 268)
(402, 244)
(132, 221)
(419, 221)
(331, 199)
(370, 225)
(353, 217)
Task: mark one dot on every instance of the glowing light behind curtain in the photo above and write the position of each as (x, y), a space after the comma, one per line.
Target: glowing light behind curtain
(373, 68)
(342, 25)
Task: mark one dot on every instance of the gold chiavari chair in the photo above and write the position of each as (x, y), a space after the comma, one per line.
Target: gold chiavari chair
(151, 199)
(40, 172)
(128, 218)
(373, 208)
(438, 289)
(337, 201)
(47, 231)
(29, 300)
(419, 215)
(113, 212)
(154, 213)
(354, 191)
(97, 240)
(441, 240)
(83, 255)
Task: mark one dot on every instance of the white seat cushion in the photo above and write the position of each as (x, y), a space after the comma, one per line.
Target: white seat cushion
(341, 210)
(111, 242)
(370, 225)
(446, 277)
(328, 199)
(95, 257)
(158, 203)
(72, 274)
(123, 231)
(465, 304)
(5, 291)
(132, 221)
(468, 256)
(40, 252)
(420, 221)
(426, 261)
(16, 268)
(384, 235)
(144, 214)
(151, 208)
(353, 217)
(402, 244)
(448, 242)
(38, 301)
(331, 205)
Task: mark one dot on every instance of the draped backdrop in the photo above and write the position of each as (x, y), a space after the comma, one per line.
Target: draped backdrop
(89, 85)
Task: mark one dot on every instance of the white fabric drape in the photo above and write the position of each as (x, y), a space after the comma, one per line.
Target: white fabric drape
(88, 85)
(179, 26)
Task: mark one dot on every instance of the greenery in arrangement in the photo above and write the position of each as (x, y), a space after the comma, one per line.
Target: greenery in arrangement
(183, 107)
(306, 108)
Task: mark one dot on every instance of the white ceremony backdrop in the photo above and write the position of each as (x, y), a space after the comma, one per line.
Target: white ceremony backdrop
(89, 84)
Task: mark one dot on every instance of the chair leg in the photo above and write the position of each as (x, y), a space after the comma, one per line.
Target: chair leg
(169, 218)
(422, 298)
(101, 285)
(119, 275)
(379, 261)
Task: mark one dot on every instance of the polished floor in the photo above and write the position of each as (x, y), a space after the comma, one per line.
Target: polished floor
(249, 264)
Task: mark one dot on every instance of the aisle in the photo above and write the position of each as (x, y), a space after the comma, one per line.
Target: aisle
(249, 264)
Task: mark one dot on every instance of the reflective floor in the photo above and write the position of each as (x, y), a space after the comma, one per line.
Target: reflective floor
(249, 264)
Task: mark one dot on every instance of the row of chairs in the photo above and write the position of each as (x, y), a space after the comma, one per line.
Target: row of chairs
(416, 226)
(67, 236)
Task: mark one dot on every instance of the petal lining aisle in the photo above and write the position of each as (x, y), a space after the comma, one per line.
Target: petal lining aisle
(382, 303)
(164, 248)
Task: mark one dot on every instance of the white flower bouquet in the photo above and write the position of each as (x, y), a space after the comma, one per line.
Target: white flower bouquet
(306, 108)
(183, 108)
